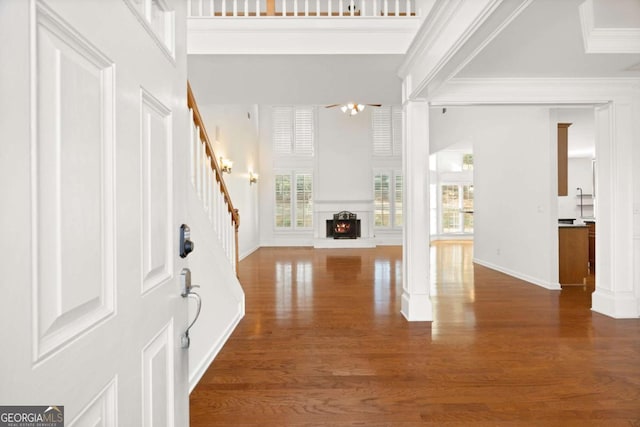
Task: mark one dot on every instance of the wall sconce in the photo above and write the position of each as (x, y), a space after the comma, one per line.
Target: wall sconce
(226, 165)
(253, 178)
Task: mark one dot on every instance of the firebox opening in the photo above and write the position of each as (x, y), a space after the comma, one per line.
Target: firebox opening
(344, 225)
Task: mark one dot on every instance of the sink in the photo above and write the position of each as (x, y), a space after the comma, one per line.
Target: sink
(566, 220)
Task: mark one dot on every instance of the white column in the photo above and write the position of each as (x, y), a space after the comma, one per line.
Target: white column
(615, 293)
(416, 302)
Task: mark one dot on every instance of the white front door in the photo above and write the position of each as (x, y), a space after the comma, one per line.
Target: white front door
(92, 174)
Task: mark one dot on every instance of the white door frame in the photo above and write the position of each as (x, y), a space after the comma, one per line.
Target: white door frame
(618, 242)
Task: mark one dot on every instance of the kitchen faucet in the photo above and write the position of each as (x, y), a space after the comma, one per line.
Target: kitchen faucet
(580, 190)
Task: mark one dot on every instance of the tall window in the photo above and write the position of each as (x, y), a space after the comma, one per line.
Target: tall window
(382, 200)
(467, 208)
(450, 208)
(467, 162)
(293, 130)
(398, 201)
(457, 208)
(304, 206)
(387, 199)
(290, 215)
(293, 138)
(283, 201)
(386, 125)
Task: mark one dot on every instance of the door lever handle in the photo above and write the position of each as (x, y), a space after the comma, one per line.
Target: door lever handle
(185, 282)
(187, 292)
(186, 340)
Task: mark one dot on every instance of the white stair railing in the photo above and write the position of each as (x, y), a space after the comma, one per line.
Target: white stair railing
(301, 8)
(207, 180)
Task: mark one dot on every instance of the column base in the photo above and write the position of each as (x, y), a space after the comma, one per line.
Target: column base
(618, 306)
(417, 307)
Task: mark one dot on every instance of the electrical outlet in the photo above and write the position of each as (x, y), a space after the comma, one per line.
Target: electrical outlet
(497, 251)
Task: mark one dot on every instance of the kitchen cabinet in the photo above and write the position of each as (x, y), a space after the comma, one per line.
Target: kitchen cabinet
(563, 159)
(591, 225)
(573, 254)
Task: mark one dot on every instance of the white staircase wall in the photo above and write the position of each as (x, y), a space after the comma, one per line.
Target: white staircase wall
(233, 130)
(222, 295)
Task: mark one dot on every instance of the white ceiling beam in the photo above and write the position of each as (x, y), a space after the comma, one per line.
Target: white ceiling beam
(450, 37)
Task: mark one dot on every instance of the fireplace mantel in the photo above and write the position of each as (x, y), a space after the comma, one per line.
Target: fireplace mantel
(324, 210)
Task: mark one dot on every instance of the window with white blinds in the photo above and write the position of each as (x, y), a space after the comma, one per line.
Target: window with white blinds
(387, 199)
(293, 200)
(303, 131)
(282, 131)
(293, 130)
(386, 123)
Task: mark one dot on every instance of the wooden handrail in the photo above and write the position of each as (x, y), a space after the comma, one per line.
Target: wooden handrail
(197, 118)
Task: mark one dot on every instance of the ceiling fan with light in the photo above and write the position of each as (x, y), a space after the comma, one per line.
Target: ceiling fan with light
(352, 108)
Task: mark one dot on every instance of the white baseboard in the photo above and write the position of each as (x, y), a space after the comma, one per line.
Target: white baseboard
(437, 237)
(343, 243)
(196, 375)
(619, 306)
(249, 252)
(517, 275)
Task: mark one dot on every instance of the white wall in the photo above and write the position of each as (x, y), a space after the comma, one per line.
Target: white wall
(515, 224)
(515, 207)
(344, 174)
(233, 135)
(343, 154)
(222, 294)
(233, 130)
(635, 185)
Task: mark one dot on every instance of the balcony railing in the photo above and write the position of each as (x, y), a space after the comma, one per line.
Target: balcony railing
(300, 8)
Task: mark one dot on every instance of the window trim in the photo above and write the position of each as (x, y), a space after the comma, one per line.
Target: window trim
(294, 152)
(293, 174)
(393, 173)
(460, 185)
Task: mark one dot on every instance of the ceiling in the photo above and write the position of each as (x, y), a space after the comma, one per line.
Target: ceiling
(295, 79)
(544, 40)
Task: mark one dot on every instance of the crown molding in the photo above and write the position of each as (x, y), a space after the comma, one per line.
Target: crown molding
(504, 91)
(606, 40)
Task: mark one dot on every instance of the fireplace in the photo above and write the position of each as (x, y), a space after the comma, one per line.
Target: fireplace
(344, 225)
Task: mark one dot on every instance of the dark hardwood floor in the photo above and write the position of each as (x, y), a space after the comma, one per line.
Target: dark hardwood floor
(323, 343)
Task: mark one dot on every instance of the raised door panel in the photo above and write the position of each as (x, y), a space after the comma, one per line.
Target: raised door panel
(157, 208)
(73, 186)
